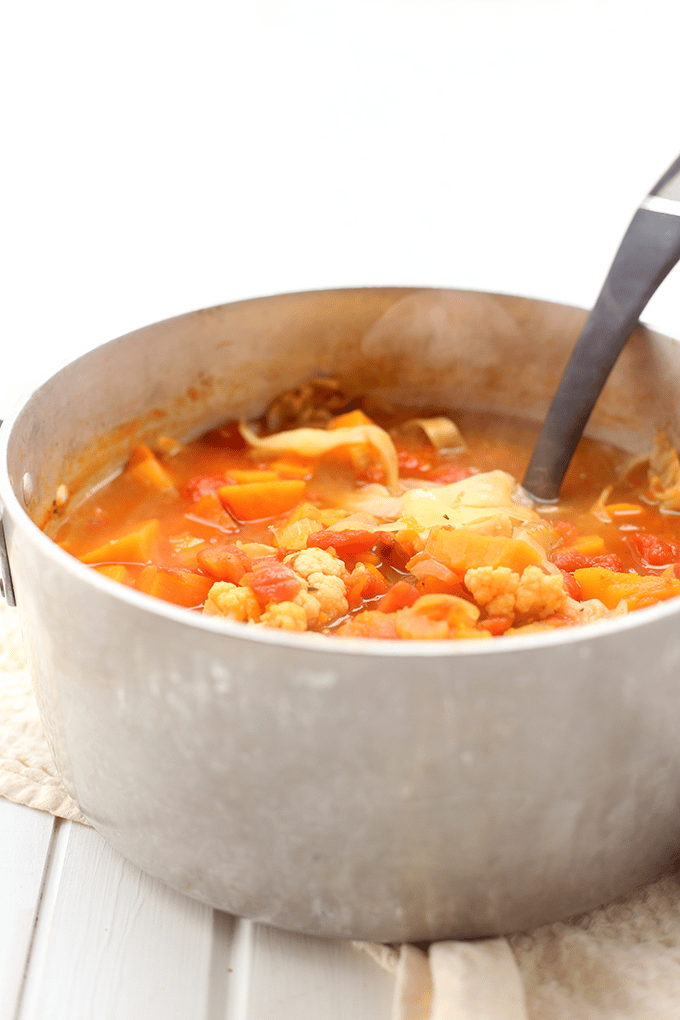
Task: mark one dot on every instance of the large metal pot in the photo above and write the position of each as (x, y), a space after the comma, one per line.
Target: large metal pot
(380, 790)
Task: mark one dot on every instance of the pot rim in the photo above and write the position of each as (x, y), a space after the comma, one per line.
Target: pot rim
(10, 506)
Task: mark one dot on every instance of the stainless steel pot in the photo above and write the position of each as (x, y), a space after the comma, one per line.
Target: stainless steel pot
(379, 790)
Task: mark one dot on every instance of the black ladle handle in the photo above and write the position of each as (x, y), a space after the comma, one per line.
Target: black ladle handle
(648, 252)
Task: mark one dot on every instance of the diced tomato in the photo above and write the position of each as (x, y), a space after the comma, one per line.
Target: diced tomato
(373, 473)
(570, 560)
(273, 582)
(368, 585)
(202, 485)
(371, 624)
(450, 473)
(566, 532)
(400, 596)
(396, 553)
(496, 625)
(610, 560)
(345, 543)
(652, 550)
(224, 562)
(409, 462)
(572, 585)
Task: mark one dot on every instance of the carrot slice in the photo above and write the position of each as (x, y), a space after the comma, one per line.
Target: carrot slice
(255, 501)
(134, 547)
(182, 587)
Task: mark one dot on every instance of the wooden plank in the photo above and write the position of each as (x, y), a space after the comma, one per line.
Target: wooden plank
(280, 976)
(25, 837)
(111, 943)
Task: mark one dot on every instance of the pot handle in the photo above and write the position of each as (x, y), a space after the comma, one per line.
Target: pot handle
(6, 585)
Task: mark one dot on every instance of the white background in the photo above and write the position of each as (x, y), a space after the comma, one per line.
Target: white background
(160, 157)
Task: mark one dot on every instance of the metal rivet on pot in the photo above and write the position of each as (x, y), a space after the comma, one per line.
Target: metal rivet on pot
(27, 485)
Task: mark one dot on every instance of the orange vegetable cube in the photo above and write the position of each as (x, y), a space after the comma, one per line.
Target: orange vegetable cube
(611, 587)
(116, 571)
(182, 587)
(133, 547)
(145, 468)
(244, 475)
(255, 501)
(589, 545)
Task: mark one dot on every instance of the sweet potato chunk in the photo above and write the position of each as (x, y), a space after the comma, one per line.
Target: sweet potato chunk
(638, 591)
(182, 587)
(133, 547)
(145, 468)
(256, 501)
(116, 571)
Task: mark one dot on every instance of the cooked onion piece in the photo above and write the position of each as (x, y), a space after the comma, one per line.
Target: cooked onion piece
(473, 501)
(442, 433)
(315, 442)
(664, 473)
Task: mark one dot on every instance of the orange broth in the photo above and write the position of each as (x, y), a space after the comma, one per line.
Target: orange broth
(191, 491)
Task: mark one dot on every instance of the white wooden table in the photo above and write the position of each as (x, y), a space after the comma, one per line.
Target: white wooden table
(85, 934)
(161, 158)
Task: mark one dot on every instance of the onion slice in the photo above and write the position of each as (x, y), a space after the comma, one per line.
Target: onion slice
(442, 433)
(315, 442)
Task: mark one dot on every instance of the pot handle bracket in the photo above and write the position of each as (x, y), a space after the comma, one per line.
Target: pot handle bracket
(6, 585)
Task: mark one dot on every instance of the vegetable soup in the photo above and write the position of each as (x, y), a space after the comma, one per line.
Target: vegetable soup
(338, 515)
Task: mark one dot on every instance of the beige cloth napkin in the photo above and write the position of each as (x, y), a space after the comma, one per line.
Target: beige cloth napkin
(621, 962)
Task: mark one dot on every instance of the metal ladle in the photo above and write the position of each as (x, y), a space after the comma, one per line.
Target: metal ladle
(648, 252)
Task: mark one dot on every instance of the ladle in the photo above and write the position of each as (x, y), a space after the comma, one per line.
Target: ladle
(648, 252)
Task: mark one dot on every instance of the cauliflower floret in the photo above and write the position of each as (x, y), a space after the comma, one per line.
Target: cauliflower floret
(591, 609)
(310, 604)
(317, 561)
(539, 595)
(504, 593)
(331, 594)
(494, 588)
(285, 616)
(235, 602)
